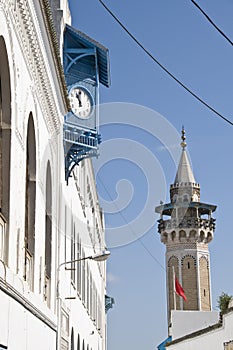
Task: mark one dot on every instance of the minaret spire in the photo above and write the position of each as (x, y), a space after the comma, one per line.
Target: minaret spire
(183, 138)
(184, 172)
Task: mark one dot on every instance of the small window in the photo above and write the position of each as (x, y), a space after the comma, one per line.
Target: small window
(188, 265)
(204, 293)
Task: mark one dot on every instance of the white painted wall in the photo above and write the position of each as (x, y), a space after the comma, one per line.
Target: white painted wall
(213, 339)
(186, 322)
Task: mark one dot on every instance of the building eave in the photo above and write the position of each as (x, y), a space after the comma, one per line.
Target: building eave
(203, 208)
(102, 53)
(52, 37)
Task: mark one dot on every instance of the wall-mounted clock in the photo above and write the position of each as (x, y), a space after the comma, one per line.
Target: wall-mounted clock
(81, 102)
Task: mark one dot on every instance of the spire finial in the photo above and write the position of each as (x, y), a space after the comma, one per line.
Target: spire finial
(183, 138)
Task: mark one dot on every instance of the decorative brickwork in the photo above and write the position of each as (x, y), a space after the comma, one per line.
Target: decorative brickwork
(189, 282)
(179, 246)
(204, 283)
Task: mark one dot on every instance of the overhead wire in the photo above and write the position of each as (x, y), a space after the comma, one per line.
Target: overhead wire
(130, 227)
(212, 22)
(163, 67)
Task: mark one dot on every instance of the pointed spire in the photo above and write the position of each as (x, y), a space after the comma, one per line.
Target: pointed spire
(184, 171)
(183, 138)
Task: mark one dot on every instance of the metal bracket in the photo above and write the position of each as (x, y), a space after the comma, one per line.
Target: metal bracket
(79, 144)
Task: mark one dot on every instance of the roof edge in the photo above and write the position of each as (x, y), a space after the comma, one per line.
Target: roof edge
(52, 37)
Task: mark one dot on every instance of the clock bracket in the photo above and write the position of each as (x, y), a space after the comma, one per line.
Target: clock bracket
(79, 144)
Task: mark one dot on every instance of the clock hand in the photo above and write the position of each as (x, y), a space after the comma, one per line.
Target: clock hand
(78, 96)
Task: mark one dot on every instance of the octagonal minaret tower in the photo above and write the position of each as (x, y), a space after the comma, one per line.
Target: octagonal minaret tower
(186, 227)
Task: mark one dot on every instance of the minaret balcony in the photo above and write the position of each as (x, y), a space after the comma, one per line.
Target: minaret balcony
(195, 223)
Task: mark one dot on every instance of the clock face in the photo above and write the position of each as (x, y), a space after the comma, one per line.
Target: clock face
(81, 102)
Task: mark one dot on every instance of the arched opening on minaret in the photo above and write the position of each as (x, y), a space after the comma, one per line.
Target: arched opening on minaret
(173, 236)
(173, 265)
(193, 236)
(202, 236)
(182, 236)
(209, 237)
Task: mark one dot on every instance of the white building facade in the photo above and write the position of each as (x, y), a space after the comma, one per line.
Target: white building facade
(218, 336)
(43, 221)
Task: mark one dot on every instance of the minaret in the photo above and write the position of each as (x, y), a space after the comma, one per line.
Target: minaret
(187, 231)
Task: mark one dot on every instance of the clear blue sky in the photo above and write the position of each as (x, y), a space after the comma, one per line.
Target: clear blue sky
(178, 35)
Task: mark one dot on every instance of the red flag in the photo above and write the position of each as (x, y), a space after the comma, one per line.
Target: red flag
(179, 290)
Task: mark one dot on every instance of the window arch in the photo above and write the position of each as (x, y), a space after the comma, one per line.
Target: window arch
(5, 149)
(182, 236)
(173, 267)
(48, 235)
(78, 343)
(72, 340)
(173, 235)
(192, 235)
(30, 203)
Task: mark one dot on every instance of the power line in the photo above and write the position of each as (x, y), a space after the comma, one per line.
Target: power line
(163, 67)
(213, 24)
(130, 227)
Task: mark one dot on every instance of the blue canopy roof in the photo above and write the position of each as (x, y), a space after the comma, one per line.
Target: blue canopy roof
(84, 40)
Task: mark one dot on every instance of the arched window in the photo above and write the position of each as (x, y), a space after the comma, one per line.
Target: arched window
(5, 149)
(72, 340)
(30, 203)
(48, 235)
(73, 252)
(173, 235)
(79, 266)
(78, 343)
(182, 236)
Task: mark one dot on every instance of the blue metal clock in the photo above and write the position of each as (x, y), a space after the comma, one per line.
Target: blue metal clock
(86, 64)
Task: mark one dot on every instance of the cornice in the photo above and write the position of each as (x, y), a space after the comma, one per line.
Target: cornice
(27, 35)
(52, 37)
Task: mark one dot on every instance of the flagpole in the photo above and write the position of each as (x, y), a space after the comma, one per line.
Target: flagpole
(174, 286)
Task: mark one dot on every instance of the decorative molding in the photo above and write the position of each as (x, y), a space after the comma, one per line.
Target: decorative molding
(29, 41)
(188, 256)
(170, 258)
